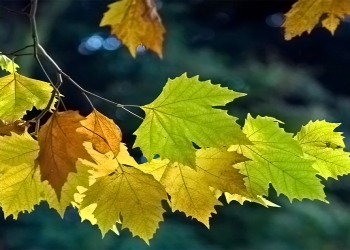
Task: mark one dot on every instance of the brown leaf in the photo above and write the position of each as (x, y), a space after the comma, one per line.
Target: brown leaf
(102, 132)
(135, 22)
(17, 127)
(60, 147)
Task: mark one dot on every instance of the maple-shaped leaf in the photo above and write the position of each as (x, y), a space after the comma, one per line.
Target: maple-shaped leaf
(19, 94)
(278, 159)
(190, 189)
(183, 114)
(60, 147)
(305, 14)
(122, 191)
(102, 132)
(321, 144)
(17, 127)
(17, 150)
(70, 188)
(135, 22)
(8, 64)
(20, 185)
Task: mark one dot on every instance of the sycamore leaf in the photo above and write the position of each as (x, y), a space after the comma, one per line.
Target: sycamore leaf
(60, 147)
(190, 189)
(305, 14)
(181, 115)
(20, 185)
(8, 64)
(102, 132)
(17, 127)
(17, 150)
(278, 159)
(69, 189)
(321, 144)
(135, 22)
(122, 191)
(19, 94)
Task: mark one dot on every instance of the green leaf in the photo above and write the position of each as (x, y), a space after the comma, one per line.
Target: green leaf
(7, 64)
(20, 185)
(277, 159)
(19, 94)
(182, 115)
(321, 144)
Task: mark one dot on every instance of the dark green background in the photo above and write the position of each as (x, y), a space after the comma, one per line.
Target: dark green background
(231, 43)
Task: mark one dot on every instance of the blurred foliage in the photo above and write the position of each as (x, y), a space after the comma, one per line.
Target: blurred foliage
(287, 80)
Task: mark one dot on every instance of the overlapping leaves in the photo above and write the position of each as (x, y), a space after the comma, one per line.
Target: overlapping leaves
(81, 161)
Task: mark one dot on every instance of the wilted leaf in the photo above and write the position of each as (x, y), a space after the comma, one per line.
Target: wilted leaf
(19, 94)
(102, 132)
(123, 191)
(17, 127)
(183, 114)
(135, 22)
(60, 147)
(321, 144)
(305, 14)
(278, 159)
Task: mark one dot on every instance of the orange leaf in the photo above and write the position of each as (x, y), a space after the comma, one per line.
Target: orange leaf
(60, 147)
(135, 22)
(17, 127)
(102, 132)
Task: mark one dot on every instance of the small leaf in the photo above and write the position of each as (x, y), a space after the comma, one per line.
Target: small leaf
(123, 191)
(8, 64)
(19, 94)
(102, 132)
(135, 22)
(305, 14)
(321, 144)
(278, 159)
(17, 127)
(181, 115)
(60, 147)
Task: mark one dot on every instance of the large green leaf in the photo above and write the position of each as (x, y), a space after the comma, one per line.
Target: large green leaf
(321, 144)
(183, 114)
(278, 159)
(19, 94)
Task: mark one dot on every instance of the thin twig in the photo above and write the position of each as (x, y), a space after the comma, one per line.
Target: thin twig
(12, 11)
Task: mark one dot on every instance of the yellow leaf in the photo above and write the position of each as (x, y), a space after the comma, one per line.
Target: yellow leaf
(305, 14)
(102, 132)
(190, 190)
(60, 147)
(19, 94)
(122, 191)
(20, 185)
(135, 22)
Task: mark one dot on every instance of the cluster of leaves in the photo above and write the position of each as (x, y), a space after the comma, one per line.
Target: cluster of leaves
(203, 153)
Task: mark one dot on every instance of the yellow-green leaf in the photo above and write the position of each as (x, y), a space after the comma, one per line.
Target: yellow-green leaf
(19, 94)
(183, 114)
(278, 159)
(321, 144)
(8, 64)
(135, 22)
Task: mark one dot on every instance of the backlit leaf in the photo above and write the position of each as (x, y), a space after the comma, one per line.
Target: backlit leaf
(60, 147)
(135, 22)
(278, 159)
(19, 94)
(305, 14)
(8, 64)
(183, 114)
(122, 191)
(102, 132)
(321, 144)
